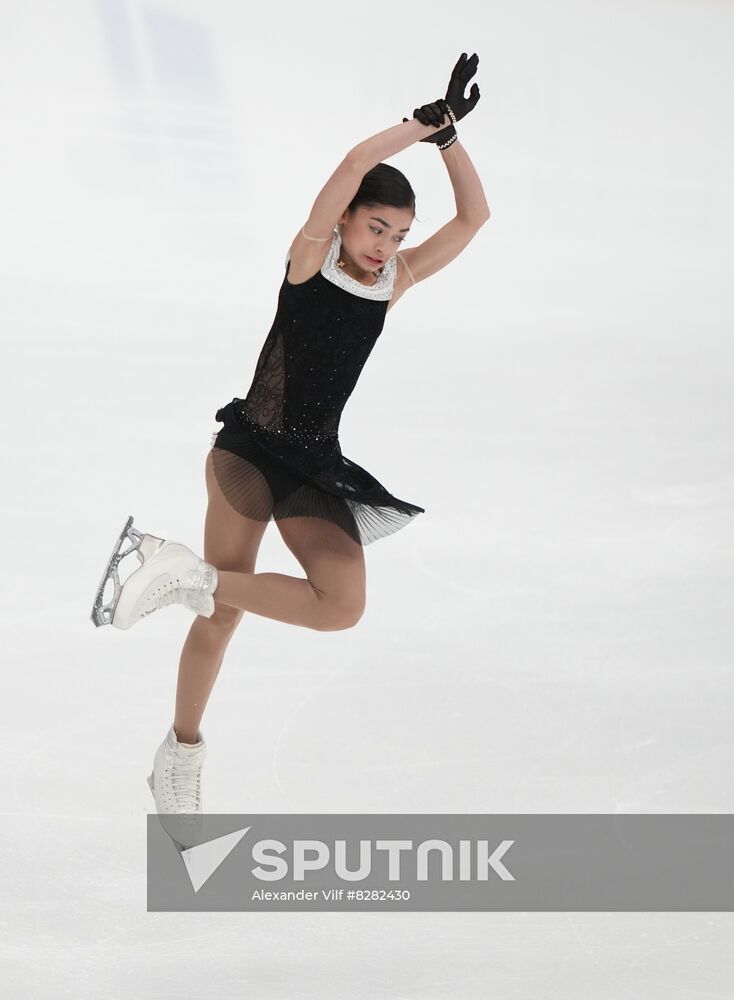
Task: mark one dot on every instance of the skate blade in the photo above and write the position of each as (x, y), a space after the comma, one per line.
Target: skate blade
(103, 614)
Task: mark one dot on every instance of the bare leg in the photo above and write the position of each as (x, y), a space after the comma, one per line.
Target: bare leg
(290, 599)
(201, 659)
(232, 542)
(330, 597)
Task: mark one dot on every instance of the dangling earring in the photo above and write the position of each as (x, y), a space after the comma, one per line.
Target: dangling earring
(340, 262)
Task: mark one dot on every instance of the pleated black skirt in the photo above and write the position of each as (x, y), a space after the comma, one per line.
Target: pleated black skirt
(263, 478)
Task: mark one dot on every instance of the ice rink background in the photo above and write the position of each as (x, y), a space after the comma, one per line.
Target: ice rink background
(552, 635)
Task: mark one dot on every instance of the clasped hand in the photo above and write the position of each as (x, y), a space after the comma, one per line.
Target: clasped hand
(433, 114)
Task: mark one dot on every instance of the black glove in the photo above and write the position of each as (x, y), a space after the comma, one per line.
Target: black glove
(433, 114)
(461, 74)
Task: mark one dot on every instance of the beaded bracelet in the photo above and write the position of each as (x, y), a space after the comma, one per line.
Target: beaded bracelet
(454, 137)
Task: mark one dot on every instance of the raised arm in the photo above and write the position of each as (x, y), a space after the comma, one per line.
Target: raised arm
(471, 203)
(472, 211)
(334, 197)
(429, 120)
(385, 144)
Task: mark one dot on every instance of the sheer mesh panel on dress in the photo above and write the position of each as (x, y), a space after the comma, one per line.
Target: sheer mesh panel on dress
(243, 485)
(265, 398)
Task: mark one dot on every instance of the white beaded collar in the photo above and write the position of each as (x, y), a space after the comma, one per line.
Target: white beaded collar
(382, 289)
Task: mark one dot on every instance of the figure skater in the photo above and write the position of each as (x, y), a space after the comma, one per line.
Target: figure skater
(278, 455)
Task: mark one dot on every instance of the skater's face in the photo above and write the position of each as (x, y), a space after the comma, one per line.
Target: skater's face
(375, 232)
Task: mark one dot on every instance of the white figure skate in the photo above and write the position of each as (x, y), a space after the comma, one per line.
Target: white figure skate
(170, 573)
(175, 782)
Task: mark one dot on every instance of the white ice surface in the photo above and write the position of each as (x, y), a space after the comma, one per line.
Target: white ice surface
(552, 635)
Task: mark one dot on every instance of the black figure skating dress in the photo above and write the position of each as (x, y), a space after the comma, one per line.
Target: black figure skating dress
(278, 453)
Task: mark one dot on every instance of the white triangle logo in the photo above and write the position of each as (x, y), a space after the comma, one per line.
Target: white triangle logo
(203, 860)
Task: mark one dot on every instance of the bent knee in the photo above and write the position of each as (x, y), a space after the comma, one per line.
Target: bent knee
(340, 613)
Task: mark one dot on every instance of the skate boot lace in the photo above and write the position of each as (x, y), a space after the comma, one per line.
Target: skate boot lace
(186, 784)
(192, 592)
